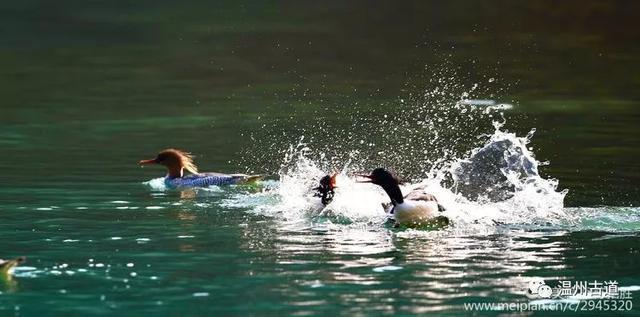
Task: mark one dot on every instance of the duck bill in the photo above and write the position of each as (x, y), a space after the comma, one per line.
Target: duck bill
(146, 162)
(367, 178)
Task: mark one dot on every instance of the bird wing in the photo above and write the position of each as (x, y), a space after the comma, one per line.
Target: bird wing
(418, 193)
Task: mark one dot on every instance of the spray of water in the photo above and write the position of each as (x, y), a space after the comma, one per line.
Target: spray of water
(449, 138)
(496, 183)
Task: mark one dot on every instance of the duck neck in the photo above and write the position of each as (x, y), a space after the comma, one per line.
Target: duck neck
(175, 171)
(394, 192)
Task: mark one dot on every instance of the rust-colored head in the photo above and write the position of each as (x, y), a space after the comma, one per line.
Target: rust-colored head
(326, 189)
(175, 161)
(328, 182)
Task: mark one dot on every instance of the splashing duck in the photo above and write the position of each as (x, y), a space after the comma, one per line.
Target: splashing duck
(416, 209)
(177, 161)
(326, 189)
(7, 265)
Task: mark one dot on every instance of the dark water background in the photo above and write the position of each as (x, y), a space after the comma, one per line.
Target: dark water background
(90, 88)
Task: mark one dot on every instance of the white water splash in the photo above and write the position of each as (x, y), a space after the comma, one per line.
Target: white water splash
(435, 136)
(510, 190)
(156, 184)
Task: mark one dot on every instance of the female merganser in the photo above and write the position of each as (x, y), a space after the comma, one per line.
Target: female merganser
(177, 161)
(7, 265)
(326, 189)
(416, 209)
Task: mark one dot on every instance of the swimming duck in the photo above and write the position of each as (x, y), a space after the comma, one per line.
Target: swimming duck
(7, 265)
(177, 161)
(416, 209)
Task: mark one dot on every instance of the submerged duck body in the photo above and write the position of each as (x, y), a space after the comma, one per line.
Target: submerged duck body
(177, 161)
(416, 209)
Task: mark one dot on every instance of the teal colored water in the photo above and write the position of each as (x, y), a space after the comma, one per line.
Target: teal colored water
(293, 91)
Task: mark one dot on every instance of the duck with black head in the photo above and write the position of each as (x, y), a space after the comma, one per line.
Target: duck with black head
(177, 162)
(416, 209)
